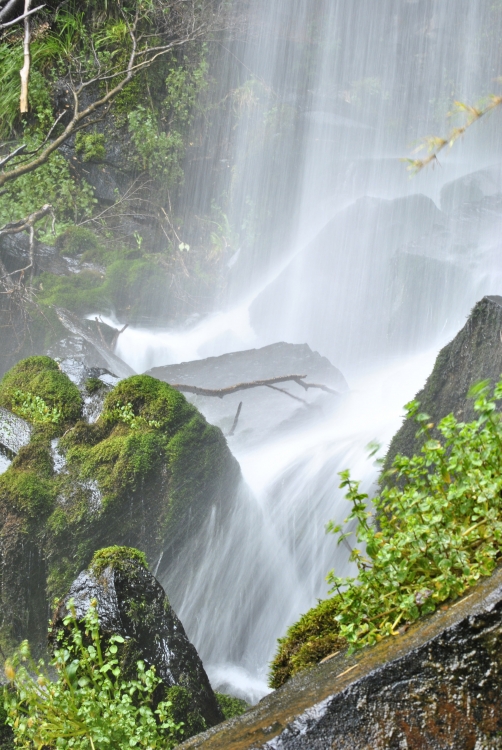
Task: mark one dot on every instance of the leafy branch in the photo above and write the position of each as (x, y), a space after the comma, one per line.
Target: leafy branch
(435, 144)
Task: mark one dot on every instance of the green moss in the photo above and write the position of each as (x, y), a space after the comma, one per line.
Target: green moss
(116, 558)
(27, 493)
(41, 376)
(93, 385)
(307, 642)
(76, 240)
(91, 146)
(231, 707)
(182, 712)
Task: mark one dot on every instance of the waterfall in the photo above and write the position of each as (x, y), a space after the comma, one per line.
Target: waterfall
(333, 243)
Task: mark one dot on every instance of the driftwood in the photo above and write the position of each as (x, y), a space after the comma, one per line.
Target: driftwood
(269, 383)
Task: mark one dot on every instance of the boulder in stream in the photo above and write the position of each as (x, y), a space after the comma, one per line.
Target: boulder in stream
(146, 473)
(133, 604)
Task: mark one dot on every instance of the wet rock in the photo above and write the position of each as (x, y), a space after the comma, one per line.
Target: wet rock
(15, 432)
(264, 411)
(475, 354)
(137, 465)
(436, 686)
(133, 604)
(471, 188)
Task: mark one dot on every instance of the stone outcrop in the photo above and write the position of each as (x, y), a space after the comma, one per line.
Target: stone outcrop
(133, 604)
(436, 686)
(264, 411)
(144, 473)
(475, 354)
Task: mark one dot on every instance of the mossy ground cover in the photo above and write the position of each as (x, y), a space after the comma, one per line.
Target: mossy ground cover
(133, 478)
(433, 530)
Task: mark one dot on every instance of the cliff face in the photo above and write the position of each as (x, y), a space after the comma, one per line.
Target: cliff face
(475, 354)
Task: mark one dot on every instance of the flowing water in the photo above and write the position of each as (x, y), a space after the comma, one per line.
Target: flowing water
(333, 243)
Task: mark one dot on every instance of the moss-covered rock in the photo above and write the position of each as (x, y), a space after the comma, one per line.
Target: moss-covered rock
(130, 602)
(37, 390)
(310, 640)
(144, 475)
(230, 706)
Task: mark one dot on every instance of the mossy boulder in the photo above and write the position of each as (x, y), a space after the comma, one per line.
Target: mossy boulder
(145, 475)
(131, 603)
(310, 640)
(37, 390)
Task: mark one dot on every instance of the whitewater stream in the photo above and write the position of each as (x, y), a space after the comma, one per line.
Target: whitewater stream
(339, 247)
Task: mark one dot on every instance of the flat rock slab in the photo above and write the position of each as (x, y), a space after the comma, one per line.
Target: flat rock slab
(437, 686)
(14, 431)
(254, 364)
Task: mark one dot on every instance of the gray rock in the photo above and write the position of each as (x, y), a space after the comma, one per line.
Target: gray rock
(475, 354)
(471, 188)
(132, 603)
(14, 431)
(436, 686)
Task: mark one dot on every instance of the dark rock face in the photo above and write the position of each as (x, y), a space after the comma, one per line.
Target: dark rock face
(437, 686)
(133, 604)
(475, 354)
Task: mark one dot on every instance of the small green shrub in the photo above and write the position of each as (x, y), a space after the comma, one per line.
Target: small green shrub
(230, 706)
(90, 705)
(434, 529)
(77, 240)
(91, 146)
(35, 409)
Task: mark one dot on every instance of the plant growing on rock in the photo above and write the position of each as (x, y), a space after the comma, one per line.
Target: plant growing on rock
(91, 704)
(432, 531)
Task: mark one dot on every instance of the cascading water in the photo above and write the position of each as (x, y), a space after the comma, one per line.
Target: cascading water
(337, 246)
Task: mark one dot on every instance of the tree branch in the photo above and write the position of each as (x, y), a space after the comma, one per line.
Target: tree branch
(20, 18)
(222, 392)
(435, 144)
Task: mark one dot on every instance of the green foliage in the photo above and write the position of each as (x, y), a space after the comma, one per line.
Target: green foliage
(125, 413)
(434, 530)
(6, 733)
(231, 707)
(54, 392)
(115, 557)
(52, 183)
(93, 385)
(91, 704)
(91, 146)
(157, 152)
(77, 240)
(35, 409)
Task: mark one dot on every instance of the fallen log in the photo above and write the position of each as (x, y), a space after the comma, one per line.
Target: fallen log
(222, 392)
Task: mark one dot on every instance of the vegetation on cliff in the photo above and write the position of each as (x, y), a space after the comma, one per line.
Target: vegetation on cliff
(433, 530)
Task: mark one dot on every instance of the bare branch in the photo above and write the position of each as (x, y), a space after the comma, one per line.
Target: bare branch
(28, 222)
(20, 18)
(222, 392)
(25, 70)
(237, 415)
